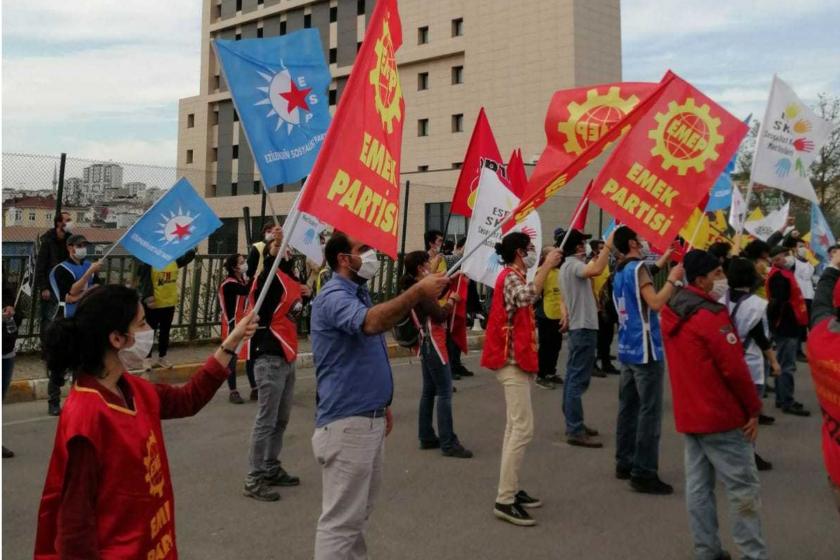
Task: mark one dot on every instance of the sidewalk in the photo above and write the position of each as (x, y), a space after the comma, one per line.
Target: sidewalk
(29, 382)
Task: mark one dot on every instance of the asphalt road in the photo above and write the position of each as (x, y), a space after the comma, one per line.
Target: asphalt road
(433, 507)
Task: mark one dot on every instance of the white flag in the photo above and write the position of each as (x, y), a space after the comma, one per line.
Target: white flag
(306, 236)
(790, 138)
(738, 210)
(768, 225)
(492, 204)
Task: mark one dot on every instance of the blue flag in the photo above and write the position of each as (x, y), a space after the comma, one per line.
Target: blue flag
(821, 236)
(609, 229)
(720, 197)
(279, 87)
(177, 222)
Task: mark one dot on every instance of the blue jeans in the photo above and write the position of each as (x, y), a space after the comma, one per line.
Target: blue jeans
(729, 456)
(639, 419)
(437, 382)
(582, 346)
(786, 354)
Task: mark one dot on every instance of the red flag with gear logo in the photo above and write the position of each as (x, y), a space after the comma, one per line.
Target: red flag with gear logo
(668, 162)
(354, 184)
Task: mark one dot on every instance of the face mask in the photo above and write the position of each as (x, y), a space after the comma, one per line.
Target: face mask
(802, 252)
(789, 261)
(530, 259)
(81, 253)
(133, 356)
(243, 268)
(720, 288)
(269, 237)
(370, 264)
(69, 226)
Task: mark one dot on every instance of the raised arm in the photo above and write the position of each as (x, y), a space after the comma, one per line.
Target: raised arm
(596, 266)
(657, 300)
(384, 316)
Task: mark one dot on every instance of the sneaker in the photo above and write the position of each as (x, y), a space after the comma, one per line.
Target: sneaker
(584, 440)
(254, 395)
(513, 513)
(621, 473)
(765, 420)
(609, 369)
(464, 372)
(556, 379)
(523, 499)
(282, 478)
(54, 408)
(7, 453)
(591, 432)
(650, 486)
(235, 397)
(148, 364)
(430, 444)
(164, 363)
(761, 464)
(796, 411)
(260, 491)
(457, 451)
(544, 383)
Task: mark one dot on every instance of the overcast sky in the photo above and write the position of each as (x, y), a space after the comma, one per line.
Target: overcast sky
(101, 79)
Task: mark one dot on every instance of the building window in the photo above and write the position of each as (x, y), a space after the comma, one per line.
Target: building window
(18, 215)
(333, 55)
(237, 37)
(360, 7)
(457, 164)
(214, 120)
(307, 21)
(32, 216)
(283, 27)
(457, 75)
(423, 127)
(191, 120)
(436, 215)
(238, 5)
(259, 32)
(333, 14)
(422, 81)
(257, 186)
(225, 240)
(423, 35)
(234, 189)
(457, 27)
(218, 11)
(236, 152)
(422, 168)
(49, 216)
(458, 122)
(189, 156)
(358, 46)
(333, 97)
(217, 82)
(235, 116)
(260, 2)
(215, 154)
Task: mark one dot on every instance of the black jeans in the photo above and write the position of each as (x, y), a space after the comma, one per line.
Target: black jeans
(161, 321)
(550, 342)
(454, 352)
(606, 330)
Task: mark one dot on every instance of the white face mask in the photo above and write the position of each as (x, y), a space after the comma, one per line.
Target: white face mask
(802, 252)
(530, 259)
(789, 261)
(69, 226)
(243, 268)
(81, 253)
(269, 237)
(720, 288)
(133, 356)
(370, 264)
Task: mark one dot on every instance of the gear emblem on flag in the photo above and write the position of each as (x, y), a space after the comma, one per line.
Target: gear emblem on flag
(687, 136)
(592, 118)
(386, 81)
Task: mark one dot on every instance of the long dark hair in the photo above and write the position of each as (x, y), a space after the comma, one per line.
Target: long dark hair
(232, 263)
(412, 263)
(79, 343)
(510, 244)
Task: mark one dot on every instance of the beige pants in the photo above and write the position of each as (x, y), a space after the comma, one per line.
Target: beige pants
(519, 429)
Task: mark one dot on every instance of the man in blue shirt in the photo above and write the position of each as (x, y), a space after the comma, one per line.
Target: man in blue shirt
(354, 390)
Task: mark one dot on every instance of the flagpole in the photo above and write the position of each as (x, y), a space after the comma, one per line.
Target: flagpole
(696, 230)
(760, 133)
(581, 205)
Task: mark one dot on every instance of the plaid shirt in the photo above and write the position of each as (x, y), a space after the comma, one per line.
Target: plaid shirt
(517, 293)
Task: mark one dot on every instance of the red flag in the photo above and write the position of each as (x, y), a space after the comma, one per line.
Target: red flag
(458, 320)
(482, 147)
(582, 209)
(578, 117)
(549, 183)
(661, 171)
(516, 173)
(354, 184)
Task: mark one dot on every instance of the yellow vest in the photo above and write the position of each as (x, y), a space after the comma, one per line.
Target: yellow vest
(165, 285)
(552, 296)
(260, 247)
(442, 268)
(762, 269)
(598, 282)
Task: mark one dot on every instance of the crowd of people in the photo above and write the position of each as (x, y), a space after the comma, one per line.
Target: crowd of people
(729, 327)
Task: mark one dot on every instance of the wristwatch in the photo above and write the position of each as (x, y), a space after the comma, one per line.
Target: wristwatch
(226, 351)
(677, 284)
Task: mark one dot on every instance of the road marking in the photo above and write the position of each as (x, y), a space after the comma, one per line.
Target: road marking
(28, 421)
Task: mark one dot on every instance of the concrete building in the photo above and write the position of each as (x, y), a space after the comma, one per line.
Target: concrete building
(135, 188)
(36, 211)
(457, 56)
(102, 180)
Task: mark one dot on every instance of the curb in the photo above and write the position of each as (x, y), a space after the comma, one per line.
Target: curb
(25, 390)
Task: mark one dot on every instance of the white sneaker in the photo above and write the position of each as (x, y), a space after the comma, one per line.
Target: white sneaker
(164, 363)
(147, 364)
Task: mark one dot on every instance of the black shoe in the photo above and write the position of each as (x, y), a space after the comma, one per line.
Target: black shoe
(282, 478)
(651, 486)
(457, 451)
(523, 499)
(235, 397)
(513, 513)
(430, 444)
(598, 373)
(765, 420)
(556, 379)
(622, 473)
(724, 556)
(609, 369)
(54, 408)
(464, 372)
(254, 395)
(584, 440)
(8, 453)
(260, 491)
(761, 464)
(591, 432)
(456, 376)
(796, 411)
(544, 383)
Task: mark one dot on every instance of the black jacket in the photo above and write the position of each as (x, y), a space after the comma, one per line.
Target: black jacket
(823, 305)
(52, 251)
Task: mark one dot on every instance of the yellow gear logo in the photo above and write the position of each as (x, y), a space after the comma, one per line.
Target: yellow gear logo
(386, 80)
(687, 136)
(154, 466)
(589, 120)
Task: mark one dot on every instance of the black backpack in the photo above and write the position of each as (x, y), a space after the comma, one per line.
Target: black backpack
(407, 331)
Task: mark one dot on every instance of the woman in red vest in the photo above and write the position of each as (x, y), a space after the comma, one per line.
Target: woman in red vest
(108, 493)
(510, 348)
(233, 299)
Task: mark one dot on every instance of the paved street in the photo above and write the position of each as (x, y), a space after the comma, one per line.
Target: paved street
(433, 507)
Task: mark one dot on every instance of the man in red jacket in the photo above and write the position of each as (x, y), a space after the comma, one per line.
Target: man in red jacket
(716, 407)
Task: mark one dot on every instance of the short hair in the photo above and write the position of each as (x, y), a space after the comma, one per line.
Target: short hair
(338, 244)
(742, 274)
(622, 237)
(755, 249)
(461, 242)
(510, 244)
(267, 226)
(431, 236)
(719, 249)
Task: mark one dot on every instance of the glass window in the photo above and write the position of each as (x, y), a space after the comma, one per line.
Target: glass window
(307, 21)
(360, 7)
(333, 14)
(191, 120)
(333, 55)
(423, 35)
(423, 127)
(225, 240)
(422, 81)
(236, 152)
(457, 75)
(458, 122)
(457, 27)
(189, 156)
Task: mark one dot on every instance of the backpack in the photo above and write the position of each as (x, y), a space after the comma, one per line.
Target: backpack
(407, 331)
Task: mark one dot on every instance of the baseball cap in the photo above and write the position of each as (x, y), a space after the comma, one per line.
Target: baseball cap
(576, 237)
(77, 240)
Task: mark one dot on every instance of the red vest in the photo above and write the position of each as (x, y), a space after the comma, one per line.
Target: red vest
(437, 334)
(797, 302)
(238, 313)
(135, 512)
(282, 327)
(823, 342)
(499, 330)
